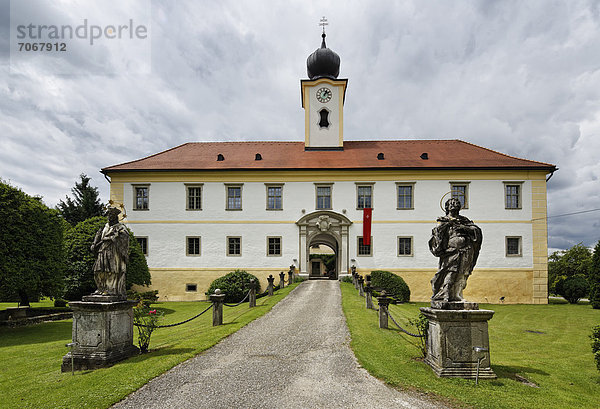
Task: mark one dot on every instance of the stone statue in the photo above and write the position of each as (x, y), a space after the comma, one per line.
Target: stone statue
(111, 248)
(456, 241)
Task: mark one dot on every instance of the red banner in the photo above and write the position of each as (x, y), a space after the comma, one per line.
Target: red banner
(367, 212)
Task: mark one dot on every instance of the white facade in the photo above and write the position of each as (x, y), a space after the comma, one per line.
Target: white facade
(166, 224)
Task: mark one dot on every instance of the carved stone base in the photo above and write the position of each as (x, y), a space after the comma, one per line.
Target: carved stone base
(451, 336)
(454, 305)
(102, 333)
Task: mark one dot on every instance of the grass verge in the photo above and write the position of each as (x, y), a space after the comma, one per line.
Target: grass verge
(30, 357)
(548, 345)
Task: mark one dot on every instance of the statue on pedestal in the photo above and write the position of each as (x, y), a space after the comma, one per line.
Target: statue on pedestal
(111, 248)
(456, 241)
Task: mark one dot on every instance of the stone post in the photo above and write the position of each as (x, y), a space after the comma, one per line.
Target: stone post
(281, 279)
(361, 282)
(383, 310)
(252, 299)
(270, 280)
(217, 299)
(291, 274)
(369, 293)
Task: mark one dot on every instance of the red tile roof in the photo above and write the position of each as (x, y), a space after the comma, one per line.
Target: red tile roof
(405, 154)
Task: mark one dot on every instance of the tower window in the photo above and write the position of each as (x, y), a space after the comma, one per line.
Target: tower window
(324, 122)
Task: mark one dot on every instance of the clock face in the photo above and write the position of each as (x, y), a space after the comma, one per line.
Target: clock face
(323, 94)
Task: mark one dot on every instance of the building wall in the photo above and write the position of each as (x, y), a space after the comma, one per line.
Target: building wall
(166, 224)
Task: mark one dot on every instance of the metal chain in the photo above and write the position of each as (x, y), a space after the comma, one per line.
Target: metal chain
(235, 305)
(174, 325)
(402, 329)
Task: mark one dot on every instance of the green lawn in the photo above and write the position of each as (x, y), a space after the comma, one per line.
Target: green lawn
(30, 357)
(556, 355)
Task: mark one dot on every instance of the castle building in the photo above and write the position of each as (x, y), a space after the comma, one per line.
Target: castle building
(203, 209)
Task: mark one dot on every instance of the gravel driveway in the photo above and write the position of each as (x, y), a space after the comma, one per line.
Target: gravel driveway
(296, 356)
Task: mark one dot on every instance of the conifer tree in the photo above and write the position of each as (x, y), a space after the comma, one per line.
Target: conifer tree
(86, 202)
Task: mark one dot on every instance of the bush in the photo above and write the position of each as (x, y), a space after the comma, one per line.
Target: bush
(572, 288)
(393, 284)
(596, 344)
(31, 254)
(234, 285)
(59, 302)
(347, 279)
(148, 297)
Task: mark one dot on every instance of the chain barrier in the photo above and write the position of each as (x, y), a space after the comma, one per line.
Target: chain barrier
(235, 305)
(174, 325)
(402, 329)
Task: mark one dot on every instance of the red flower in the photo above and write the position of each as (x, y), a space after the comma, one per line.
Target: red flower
(152, 312)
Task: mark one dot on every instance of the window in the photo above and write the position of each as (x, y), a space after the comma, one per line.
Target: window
(191, 288)
(512, 195)
(234, 197)
(274, 197)
(194, 197)
(405, 247)
(234, 246)
(324, 118)
(193, 246)
(405, 196)
(273, 246)
(460, 191)
(143, 242)
(513, 247)
(364, 196)
(364, 249)
(141, 197)
(323, 196)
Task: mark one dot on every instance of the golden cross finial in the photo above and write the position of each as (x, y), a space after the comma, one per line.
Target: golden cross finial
(323, 23)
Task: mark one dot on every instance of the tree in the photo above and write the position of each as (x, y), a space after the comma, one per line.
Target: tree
(594, 280)
(85, 205)
(79, 260)
(31, 253)
(574, 261)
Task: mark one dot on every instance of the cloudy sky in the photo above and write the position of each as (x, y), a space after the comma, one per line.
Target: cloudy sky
(520, 77)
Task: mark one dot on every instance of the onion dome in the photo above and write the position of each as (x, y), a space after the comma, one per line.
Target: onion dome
(323, 63)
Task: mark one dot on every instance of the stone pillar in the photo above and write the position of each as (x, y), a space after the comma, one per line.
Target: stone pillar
(361, 282)
(453, 335)
(217, 299)
(304, 253)
(344, 251)
(291, 275)
(281, 280)
(270, 280)
(252, 297)
(383, 310)
(102, 333)
(369, 292)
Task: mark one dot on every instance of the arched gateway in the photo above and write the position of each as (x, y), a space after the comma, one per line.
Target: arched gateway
(328, 228)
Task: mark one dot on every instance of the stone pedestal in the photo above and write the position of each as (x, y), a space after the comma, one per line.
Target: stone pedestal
(451, 337)
(102, 333)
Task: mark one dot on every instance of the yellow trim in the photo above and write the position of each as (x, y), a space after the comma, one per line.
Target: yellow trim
(306, 117)
(293, 222)
(215, 269)
(540, 242)
(434, 221)
(117, 192)
(341, 114)
(210, 222)
(318, 175)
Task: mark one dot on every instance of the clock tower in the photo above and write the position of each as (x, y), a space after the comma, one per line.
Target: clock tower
(323, 101)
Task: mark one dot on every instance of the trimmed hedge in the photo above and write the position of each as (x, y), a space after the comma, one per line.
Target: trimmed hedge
(596, 344)
(393, 285)
(234, 285)
(572, 288)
